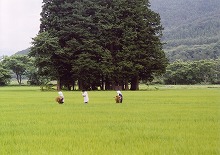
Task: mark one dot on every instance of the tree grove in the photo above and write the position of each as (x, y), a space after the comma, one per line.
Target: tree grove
(99, 43)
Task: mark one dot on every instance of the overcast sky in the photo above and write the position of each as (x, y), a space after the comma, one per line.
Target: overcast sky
(19, 23)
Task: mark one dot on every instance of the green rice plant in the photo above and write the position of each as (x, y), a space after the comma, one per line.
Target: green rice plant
(163, 121)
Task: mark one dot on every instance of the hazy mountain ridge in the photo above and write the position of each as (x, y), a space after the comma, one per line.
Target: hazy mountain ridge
(191, 28)
(23, 52)
(177, 12)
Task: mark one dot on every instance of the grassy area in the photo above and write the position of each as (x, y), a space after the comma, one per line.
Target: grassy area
(164, 120)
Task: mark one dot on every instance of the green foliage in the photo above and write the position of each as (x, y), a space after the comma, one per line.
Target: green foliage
(96, 42)
(32, 73)
(167, 121)
(195, 72)
(194, 53)
(4, 75)
(191, 28)
(45, 50)
(18, 64)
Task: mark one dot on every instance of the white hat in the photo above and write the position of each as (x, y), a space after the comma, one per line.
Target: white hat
(118, 92)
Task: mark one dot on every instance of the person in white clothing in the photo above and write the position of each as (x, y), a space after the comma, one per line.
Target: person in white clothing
(85, 96)
(61, 96)
(120, 95)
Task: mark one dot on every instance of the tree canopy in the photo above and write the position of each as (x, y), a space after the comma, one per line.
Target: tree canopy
(4, 75)
(18, 64)
(99, 43)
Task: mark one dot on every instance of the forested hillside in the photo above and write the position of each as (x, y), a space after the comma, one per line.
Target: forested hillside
(191, 28)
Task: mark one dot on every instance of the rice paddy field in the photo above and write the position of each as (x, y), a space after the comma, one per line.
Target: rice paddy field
(162, 120)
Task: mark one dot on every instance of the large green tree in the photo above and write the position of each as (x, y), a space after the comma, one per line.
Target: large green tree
(101, 42)
(48, 57)
(18, 64)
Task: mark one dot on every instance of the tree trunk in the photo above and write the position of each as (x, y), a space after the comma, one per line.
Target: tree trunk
(135, 83)
(69, 87)
(73, 84)
(18, 79)
(113, 86)
(80, 85)
(107, 84)
(58, 84)
(102, 83)
(126, 85)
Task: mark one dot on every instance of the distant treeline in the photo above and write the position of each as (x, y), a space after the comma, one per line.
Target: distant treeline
(178, 72)
(193, 72)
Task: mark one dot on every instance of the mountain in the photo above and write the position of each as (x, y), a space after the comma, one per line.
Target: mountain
(191, 28)
(23, 52)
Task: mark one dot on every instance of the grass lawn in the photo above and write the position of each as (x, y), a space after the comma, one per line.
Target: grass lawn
(167, 120)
